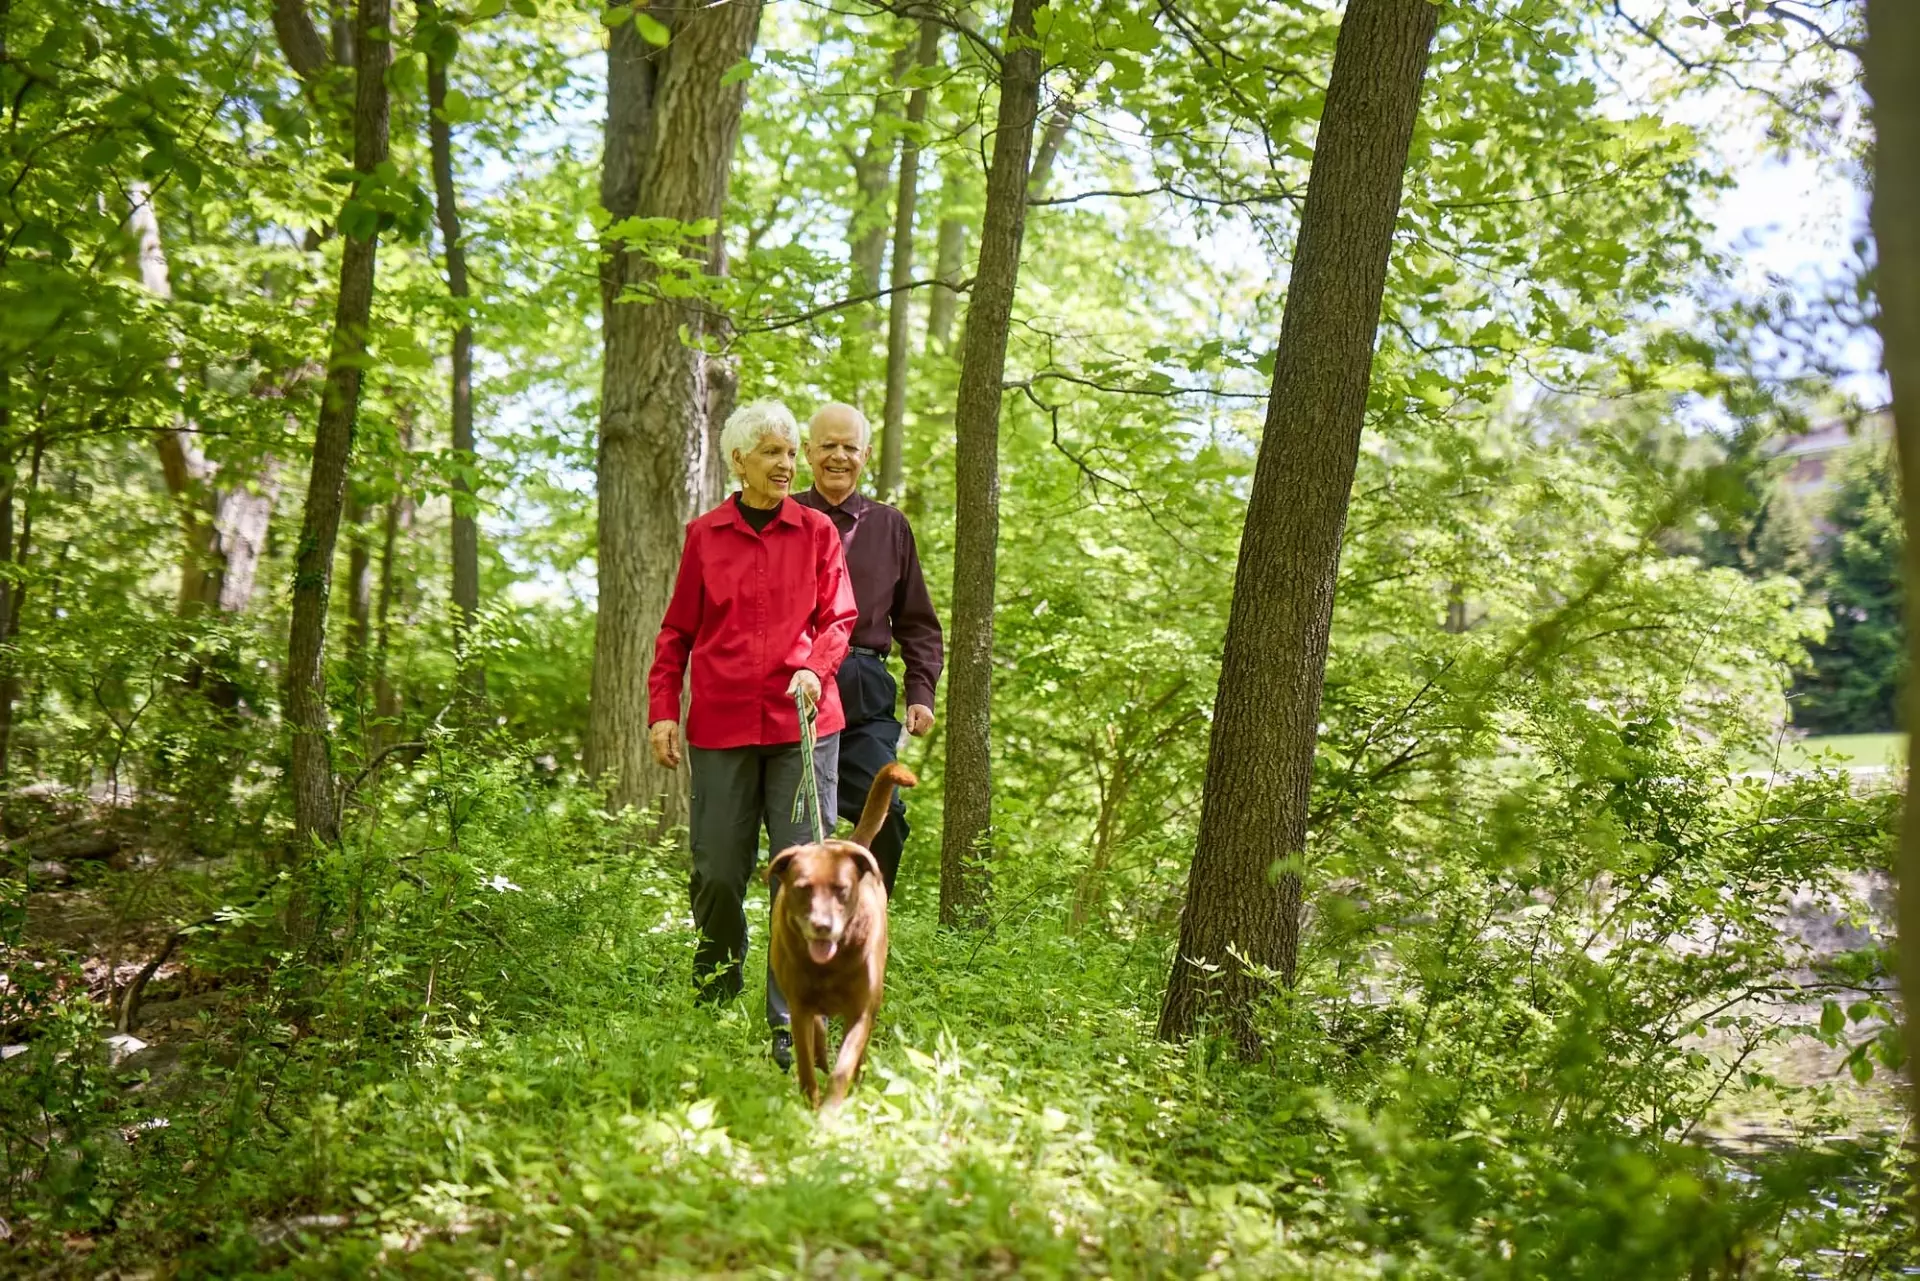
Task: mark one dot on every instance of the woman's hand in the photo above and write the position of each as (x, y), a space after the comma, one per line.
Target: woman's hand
(664, 738)
(805, 683)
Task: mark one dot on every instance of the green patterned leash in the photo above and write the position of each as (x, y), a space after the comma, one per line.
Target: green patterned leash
(809, 786)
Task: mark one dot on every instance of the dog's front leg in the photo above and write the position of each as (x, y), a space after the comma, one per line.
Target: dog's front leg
(806, 1037)
(853, 1049)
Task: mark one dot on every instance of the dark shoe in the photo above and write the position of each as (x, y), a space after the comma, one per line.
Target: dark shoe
(783, 1049)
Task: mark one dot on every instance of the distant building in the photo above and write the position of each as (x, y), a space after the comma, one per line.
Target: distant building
(1816, 453)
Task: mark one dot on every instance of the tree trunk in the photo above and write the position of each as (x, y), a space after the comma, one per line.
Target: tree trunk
(315, 814)
(359, 583)
(671, 127)
(1892, 54)
(723, 386)
(224, 530)
(872, 175)
(968, 820)
(399, 519)
(1260, 759)
(13, 587)
(1050, 143)
(893, 428)
(950, 256)
(466, 524)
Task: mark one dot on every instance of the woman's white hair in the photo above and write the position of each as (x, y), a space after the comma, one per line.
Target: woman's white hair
(748, 425)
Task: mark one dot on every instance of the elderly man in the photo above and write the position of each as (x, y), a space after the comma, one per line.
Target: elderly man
(884, 564)
(762, 611)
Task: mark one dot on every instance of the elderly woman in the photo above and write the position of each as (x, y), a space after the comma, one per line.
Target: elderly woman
(764, 610)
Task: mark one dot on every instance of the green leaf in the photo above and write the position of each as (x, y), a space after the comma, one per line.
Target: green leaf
(617, 14)
(1832, 1018)
(525, 8)
(358, 221)
(488, 9)
(1861, 1067)
(651, 29)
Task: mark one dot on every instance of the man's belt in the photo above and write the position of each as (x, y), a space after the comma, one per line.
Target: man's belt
(880, 654)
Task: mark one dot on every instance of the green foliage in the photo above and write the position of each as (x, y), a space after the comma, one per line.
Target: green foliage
(1545, 978)
(1858, 670)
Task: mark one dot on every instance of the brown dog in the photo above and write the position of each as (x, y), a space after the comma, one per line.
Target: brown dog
(829, 941)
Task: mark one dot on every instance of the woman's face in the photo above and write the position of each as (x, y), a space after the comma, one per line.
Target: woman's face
(766, 471)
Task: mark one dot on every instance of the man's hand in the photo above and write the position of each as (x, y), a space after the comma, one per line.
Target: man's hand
(919, 720)
(805, 683)
(664, 738)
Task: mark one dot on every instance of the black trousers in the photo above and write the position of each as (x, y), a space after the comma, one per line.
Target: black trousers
(736, 792)
(869, 742)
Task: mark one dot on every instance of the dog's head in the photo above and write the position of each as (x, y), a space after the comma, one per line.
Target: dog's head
(819, 888)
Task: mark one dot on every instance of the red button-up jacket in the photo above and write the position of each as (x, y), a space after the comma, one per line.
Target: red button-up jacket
(751, 609)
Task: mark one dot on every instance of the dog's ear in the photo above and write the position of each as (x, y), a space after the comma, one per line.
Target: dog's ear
(864, 860)
(777, 870)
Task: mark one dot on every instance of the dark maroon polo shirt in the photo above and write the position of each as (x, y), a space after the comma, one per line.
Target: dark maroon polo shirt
(888, 588)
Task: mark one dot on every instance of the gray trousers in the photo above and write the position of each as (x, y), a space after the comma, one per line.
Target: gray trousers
(736, 792)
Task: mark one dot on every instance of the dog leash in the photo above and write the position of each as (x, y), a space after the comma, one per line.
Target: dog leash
(809, 786)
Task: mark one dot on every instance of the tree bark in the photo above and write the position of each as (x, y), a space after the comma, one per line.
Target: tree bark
(224, 529)
(1892, 54)
(13, 587)
(950, 254)
(399, 519)
(1260, 759)
(315, 813)
(950, 266)
(893, 424)
(723, 385)
(359, 584)
(1058, 125)
(671, 128)
(872, 175)
(968, 820)
(466, 524)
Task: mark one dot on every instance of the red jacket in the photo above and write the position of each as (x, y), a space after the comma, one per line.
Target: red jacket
(751, 609)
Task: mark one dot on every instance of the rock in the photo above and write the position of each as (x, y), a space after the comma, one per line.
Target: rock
(121, 1047)
(49, 872)
(8, 1051)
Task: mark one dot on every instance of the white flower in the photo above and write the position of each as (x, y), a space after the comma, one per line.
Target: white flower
(502, 884)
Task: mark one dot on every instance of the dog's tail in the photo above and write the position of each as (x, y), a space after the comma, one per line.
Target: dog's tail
(879, 797)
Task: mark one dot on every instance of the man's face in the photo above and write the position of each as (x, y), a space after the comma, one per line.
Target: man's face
(834, 453)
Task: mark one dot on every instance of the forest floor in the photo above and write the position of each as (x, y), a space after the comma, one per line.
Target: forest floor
(1017, 1118)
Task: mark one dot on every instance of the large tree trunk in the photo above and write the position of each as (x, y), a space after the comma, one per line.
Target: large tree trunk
(968, 819)
(1260, 760)
(671, 127)
(466, 523)
(315, 813)
(893, 428)
(1892, 55)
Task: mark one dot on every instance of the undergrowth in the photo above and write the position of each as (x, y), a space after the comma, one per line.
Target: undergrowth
(499, 1070)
